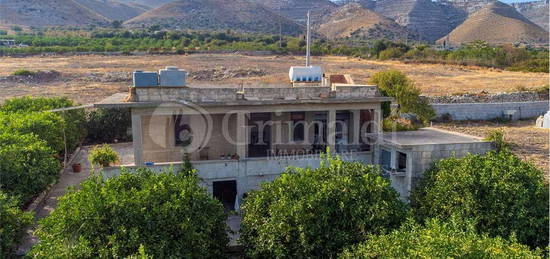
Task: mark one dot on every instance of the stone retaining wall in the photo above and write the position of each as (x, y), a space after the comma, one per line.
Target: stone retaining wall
(487, 111)
(489, 98)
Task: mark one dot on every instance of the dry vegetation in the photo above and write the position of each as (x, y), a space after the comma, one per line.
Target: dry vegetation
(528, 142)
(92, 78)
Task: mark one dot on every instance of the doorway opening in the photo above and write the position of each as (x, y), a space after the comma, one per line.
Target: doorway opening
(226, 193)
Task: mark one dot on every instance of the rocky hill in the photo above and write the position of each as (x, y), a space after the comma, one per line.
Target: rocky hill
(497, 23)
(148, 3)
(369, 4)
(297, 9)
(354, 21)
(424, 17)
(48, 13)
(536, 11)
(114, 10)
(239, 15)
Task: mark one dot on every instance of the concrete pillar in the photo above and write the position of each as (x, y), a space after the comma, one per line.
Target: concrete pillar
(331, 130)
(137, 139)
(241, 135)
(377, 128)
(356, 127)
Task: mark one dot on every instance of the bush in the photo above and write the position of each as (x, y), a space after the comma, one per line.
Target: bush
(438, 240)
(74, 119)
(501, 192)
(497, 137)
(13, 222)
(103, 155)
(316, 213)
(392, 124)
(27, 166)
(108, 125)
(23, 72)
(395, 84)
(532, 65)
(391, 53)
(46, 126)
(167, 215)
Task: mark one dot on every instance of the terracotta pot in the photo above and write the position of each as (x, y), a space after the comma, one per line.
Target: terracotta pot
(77, 168)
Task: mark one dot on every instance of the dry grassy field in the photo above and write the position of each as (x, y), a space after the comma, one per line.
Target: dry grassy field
(527, 142)
(91, 78)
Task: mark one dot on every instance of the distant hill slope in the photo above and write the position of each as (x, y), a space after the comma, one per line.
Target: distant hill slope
(149, 3)
(237, 15)
(497, 23)
(354, 21)
(297, 9)
(48, 13)
(424, 17)
(114, 10)
(369, 4)
(536, 11)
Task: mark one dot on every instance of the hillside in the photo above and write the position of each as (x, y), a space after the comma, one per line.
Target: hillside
(149, 3)
(113, 10)
(239, 15)
(369, 4)
(352, 20)
(48, 13)
(424, 17)
(536, 11)
(497, 23)
(297, 9)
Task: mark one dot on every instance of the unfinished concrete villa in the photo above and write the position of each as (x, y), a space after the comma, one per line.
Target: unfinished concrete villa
(238, 137)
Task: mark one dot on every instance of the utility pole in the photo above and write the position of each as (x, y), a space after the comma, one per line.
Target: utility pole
(308, 41)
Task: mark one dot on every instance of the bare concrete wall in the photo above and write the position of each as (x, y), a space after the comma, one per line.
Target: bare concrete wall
(486, 111)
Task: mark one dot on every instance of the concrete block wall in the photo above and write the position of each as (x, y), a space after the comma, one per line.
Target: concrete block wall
(487, 111)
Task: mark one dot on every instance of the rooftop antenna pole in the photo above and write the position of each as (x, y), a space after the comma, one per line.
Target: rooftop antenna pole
(308, 41)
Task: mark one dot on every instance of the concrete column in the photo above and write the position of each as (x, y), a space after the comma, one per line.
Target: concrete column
(356, 127)
(377, 128)
(137, 139)
(241, 135)
(331, 130)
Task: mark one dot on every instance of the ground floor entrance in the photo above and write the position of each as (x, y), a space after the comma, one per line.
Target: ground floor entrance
(226, 193)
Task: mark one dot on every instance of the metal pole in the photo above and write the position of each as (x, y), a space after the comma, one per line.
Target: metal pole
(308, 41)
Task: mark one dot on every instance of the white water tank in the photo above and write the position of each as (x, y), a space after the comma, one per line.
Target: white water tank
(172, 77)
(546, 121)
(305, 74)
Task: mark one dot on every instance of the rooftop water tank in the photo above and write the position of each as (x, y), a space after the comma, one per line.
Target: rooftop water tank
(546, 121)
(145, 79)
(172, 77)
(306, 74)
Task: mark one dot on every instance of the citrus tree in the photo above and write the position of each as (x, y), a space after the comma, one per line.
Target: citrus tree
(162, 215)
(503, 194)
(12, 224)
(438, 239)
(317, 212)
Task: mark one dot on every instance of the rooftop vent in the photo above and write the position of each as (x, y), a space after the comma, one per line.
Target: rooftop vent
(172, 77)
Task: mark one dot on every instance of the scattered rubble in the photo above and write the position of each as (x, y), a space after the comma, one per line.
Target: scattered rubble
(109, 77)
(34, 78)
(221, 73)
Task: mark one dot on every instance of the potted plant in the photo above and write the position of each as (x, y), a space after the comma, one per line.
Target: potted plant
(103, 155)
(77, 168)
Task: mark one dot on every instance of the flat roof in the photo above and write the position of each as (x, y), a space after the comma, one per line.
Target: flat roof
(428, 136)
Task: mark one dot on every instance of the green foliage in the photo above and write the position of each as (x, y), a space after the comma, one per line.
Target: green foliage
(392, 124)
(308, 213)
(395, 84)
(140, 214)
(74, 120)
(13, 222)
(503, 194)
(103, 155)
(438, 239)
(45, 125)
(27, 165)
(391, 53)
(23, 72)
(108, 125)
(3, 32)
(497, 137)
(16, 28)
(532, 65)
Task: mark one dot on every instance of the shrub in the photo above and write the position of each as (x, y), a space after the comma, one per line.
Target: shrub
(27, 165)
(163, 215)
(531, 65)
(501, 192)
(391, 53)
(497, 137)
(316, 213)
(392, 124)
(45, 125)
(74, 119)
(108, 125)
(13, 222)
(103, 155)
(23, 72)
(438, 240)
(395, 84)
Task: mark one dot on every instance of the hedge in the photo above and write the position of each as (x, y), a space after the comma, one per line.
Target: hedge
(13, 222)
